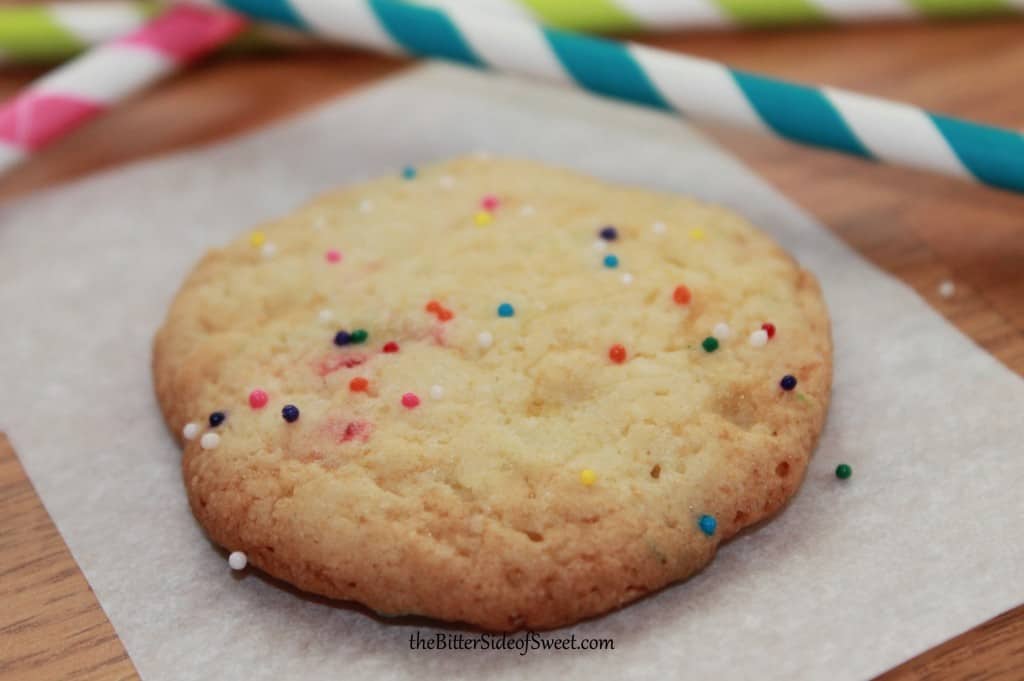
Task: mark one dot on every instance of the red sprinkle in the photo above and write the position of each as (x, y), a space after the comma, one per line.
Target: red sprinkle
(358, 384)
(390, 346)
(681, 295)
(336, 362)
(433, 306)
(357, 429)
(258, 399)
(410, 401)
(617, 354)
(769, 328)
(489, 203)
(333, 255)
(445, 314)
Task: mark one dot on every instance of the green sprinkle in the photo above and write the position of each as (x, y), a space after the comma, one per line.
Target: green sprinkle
(359, 336)
(843, 471)
(710, 344)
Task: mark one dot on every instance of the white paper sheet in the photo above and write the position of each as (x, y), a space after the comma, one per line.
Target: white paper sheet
(922, 543)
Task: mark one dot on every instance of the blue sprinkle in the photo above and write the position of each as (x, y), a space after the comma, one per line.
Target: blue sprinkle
(409, 173)
(290, 413)
(217, 418)
(788, 382)
(611, 261)
(609, 233)
(708, 524)
(506, 310)
(342, 338)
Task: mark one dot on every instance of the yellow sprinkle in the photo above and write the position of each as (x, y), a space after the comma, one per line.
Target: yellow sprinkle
(483, 218)
(257, 239)
(697, 234)
(588, 477)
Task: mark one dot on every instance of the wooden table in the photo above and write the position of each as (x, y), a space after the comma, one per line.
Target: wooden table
(921, 228)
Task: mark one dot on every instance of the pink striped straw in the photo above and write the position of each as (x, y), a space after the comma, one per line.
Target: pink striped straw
(67, 97)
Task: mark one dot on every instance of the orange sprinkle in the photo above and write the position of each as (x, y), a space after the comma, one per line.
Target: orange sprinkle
(681, 295)
(433, 306)
(358, 384)
(445, 314)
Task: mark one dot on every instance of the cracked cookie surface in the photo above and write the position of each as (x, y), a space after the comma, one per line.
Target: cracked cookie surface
(484, 455)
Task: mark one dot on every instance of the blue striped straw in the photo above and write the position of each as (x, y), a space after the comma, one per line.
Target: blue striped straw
(855, 124)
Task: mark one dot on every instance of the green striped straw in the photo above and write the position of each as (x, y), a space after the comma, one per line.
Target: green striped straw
(59, 31)
(655, 15)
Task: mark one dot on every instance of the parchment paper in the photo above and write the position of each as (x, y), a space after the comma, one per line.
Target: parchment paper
(922, 543)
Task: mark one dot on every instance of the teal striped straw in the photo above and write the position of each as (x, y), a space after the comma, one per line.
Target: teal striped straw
(855, 124)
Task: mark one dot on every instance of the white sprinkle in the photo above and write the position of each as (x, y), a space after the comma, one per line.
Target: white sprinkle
(600, 246)
(238, 560)
(721, 331)
(325, 316)
(658, 228)
(209, 441)
(436, 392)
(268, 250)
(319, 223)
(366, 206)
(446, 182)
(947, 289)
(485, 339)
(190, 431)
(527, 210)
(627, 278)
(759, 338)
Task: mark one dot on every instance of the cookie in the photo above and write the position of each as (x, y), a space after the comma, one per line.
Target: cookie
(493, 392)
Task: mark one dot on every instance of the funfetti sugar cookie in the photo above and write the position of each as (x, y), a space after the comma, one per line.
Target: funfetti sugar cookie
(493, 392)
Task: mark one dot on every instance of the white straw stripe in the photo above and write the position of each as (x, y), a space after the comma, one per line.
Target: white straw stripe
(106, 74)
(506, 9)
(896, 132)
(702, 89)
(97, 22)
(515, 46)
(10, 156)
(349, 22)
(866, 9)
(659, 15)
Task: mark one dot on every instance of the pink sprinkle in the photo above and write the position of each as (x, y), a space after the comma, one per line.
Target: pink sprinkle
(258, 399)
(410, 401)
(333, 255)
(490, 203)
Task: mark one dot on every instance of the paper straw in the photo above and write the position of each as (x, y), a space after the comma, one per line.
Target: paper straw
(67, 97)
(659, 15)
(824, 117)
(59, 31)
(53, 32)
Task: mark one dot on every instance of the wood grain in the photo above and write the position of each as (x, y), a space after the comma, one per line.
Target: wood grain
(920, 228)
(51, 626)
